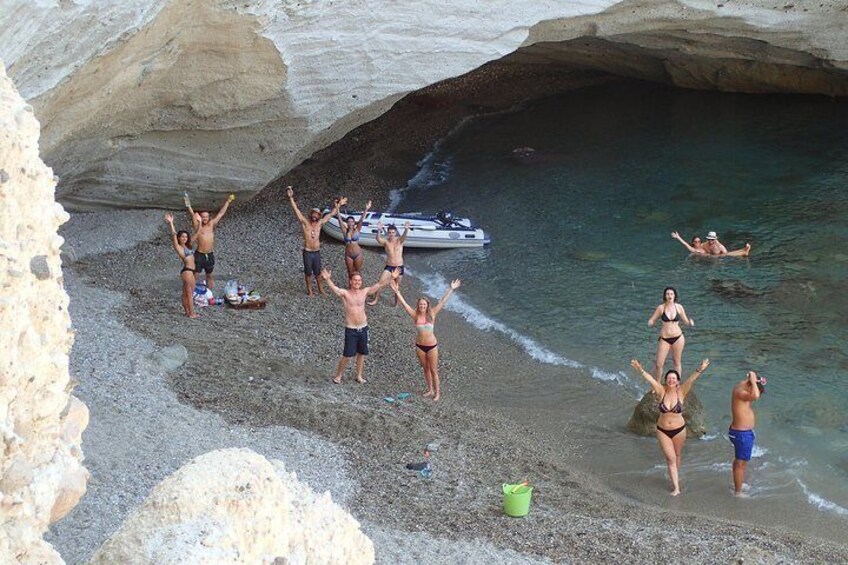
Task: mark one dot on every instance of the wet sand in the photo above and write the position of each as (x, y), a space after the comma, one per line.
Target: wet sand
(271, 369)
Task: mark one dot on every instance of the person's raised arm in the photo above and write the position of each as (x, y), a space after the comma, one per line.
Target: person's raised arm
(362, 216)
(755, 390)
(657, 313)
(223, 210)
(380, 239)
(442, 301)
(336, 209)
(396, 289)
(325, 274)
(687, 385)
(685, 244)
(406, 225)
(657, 387)
(169, 219)
(686, 320)
(193, 217)
(290, 194)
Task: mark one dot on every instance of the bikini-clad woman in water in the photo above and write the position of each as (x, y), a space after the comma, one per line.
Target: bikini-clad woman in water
(671, 427)
(426, 345)
(350, 234)
(180, 240)
(671, 335)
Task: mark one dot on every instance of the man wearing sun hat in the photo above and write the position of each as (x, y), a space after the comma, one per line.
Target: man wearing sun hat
(741, 432)
(713, 246)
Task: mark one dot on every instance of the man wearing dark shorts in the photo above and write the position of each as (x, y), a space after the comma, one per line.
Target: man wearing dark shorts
(204, 235)
(741, 432)
(311, 239)
(356, 322)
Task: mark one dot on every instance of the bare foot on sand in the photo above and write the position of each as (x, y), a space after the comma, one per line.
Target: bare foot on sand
(337, 380)
(193, 315)
(437, 397)
(428, 393)
(360, 380)
(675, 492)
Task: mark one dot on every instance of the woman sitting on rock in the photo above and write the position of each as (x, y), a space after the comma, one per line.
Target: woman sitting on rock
(426, 346)
(180, 241)
(671, 427)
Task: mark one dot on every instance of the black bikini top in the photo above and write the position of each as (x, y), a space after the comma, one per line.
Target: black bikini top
(676, 409)
(667, 319)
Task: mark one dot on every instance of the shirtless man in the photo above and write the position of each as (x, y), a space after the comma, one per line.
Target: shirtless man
(394, 256)
(356, 322)
(741, 432)
(712, 247)
(204, 237)
(311, 240)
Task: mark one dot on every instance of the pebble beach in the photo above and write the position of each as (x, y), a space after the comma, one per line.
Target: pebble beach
(162, 388)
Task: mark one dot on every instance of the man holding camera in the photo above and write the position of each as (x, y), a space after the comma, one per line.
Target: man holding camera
(741, 432)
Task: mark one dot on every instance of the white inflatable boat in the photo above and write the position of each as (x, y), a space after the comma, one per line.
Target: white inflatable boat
(442, 231)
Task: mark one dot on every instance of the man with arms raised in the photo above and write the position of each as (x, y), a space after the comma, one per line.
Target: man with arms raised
(311, 239)
(394, 255)
(741, 432)
(204, 236)
(356, 322)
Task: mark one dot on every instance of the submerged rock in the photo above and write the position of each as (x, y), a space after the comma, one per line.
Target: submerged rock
(734, 289)
(644, 419)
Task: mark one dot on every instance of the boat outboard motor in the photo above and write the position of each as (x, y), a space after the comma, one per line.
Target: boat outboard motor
(445, 218)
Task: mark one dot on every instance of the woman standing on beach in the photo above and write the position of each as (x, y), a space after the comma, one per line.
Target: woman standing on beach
(350, 234)
(180, 241)
(426, 346)
(671, 427)
(671, 335)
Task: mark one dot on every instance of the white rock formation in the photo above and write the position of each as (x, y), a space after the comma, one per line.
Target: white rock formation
(235, 506)
(142, 99)
(41, 476)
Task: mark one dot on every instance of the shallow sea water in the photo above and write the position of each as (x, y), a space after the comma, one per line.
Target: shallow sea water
(581, 251)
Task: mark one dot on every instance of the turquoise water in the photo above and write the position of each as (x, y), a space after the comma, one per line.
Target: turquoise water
(582, 251)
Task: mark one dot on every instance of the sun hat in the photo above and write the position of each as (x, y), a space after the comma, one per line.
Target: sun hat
(711, 235)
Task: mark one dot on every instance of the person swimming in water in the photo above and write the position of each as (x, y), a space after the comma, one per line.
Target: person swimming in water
(671, 427)
(181, 240)
(713, 247)
(350, 235)
(671, 335)
(426, 345)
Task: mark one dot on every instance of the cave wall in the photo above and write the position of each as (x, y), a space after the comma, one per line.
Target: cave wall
(141, 100)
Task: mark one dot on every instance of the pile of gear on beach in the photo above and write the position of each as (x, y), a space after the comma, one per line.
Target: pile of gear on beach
(235, 294)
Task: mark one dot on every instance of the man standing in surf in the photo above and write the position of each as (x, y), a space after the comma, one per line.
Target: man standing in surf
(356, 322)
(312, 240)
(393, 245)
(741, 432)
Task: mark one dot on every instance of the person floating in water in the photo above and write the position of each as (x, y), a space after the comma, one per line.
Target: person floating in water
(426, 345)
(351, 229)
(671, 335)
(356, 322)
(312, 240)
(671, 427)
(741, 432)
(394, 255)
(204, 236)
(713, 247)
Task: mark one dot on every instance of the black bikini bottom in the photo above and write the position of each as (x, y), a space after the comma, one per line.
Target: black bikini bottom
(671, 340)
(672, 433)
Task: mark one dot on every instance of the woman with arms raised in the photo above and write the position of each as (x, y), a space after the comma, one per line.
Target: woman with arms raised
(426, 346)
(350, 234)
(671, 427)
(181, 242)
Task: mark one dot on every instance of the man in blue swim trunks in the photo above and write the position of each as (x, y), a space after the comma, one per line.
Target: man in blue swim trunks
(741, 432)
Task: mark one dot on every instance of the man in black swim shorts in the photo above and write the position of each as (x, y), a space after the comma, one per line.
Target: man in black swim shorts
(311, 239)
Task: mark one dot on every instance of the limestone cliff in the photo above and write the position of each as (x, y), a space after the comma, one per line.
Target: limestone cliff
(142, 100)
(235, 506)
(41, 476)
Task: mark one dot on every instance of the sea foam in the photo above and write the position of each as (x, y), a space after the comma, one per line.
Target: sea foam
(822, 503)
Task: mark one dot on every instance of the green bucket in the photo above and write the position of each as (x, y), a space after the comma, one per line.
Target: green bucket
(517, 504)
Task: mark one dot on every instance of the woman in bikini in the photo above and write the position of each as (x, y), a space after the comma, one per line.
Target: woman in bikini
(350, 234)
(426, 345)
(671, 335)
(180, 240)
(671, 427)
